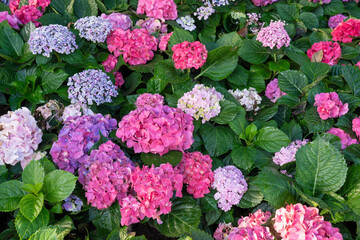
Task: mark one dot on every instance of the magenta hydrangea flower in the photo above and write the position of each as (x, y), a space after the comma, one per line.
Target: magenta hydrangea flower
(334, 21)
(28, 14)
(201, 102)
(160, 9)
(148, 99)
(345, 138)
(261, 3)
(329, 105)
(358, 64)
(164, 40)
(110, 63)
(346, 31)
(196, 170)
(12, 20)
(301, 222)
(274, 35)
(118, 20)
(119, 80)
(287, 154)
(273, 91)
(230, 185)
(77, 137)
(152, 25)
(189, 55)
(331, 52)
(156, 129)
(19, 137)
(356, 126)
(135, 46)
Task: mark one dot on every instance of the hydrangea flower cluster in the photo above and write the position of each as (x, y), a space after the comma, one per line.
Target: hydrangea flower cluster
(204, 12)
(118, 20)
(91, 86)
(187, 23)
(237, 15)
(72, 203)
(94, 29)
(13, 21)
(248, 98)
(331, 52)
(356, 126)
(76, 109)
(152, 25)
(77, 137)
(164, 40)
(329, 105)
(154, 187)
(230, 185)
(160, 9)
(254, 22)
(119, 80)
(49, 112)
(222, 232)
(196, 170)
(219, 3)
(274, 35)
(273, 91)
(29, 12)
(156, 129)
(345, 138)
(136, 46)
(261, 3)
(106, 175)
(44, 40)
(110, 63)
(287, 154)
(346, 31)
(148, 99)
(189, 55)
(301, 222)
(19, 137)
(201, 102)
(335, 20)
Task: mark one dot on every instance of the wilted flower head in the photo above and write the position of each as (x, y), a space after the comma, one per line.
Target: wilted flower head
(273, 91)
(12, 20)
(72, 203)
(248, 98)
(91, 86)
(152, 25)
(160, 9)
(201, 102)
(94, 29)
(148, 99)
(346, 31)
(345, 138)
(274, 35)
(287, 154)
(331, 52)
(189, 55)
(187, 22)
(49, 113)
(329, 105)
(118, 20)
(335, 20)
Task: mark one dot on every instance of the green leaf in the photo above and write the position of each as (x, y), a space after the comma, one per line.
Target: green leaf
(10, 195)
(85, 8)
(275, 187)
(220, 63)
(179, 36)
(27, 30)
(243, 157)
(349, 53)
(266, 114)
(107, 219)
(31, 205)
(352, 76)
(253, 52)
(272, 139)
(239, 76)
(320, 167)
(252, 196)
(3, 173)
(351, 188)
(239, 124)
(296, 55)
(51, 81)
(64, 227)
(287, 12)
(45, 234)
(309, 19)
(288, 100)
(293, 130)
(279, 66)
(230, 39)
(334, 7)
(51, 18)
(352, 153)
(199, 235)
(132, 82)
(26, 228)
(212, 216)
(11, 43)
(166, 71)
(184, 216)
(315, 123)
(58, 185)
(208, 203)
(4, 8)
(315, 71)
(218, 140)
(75, 57)
(172, 157)
(33, 173)
(292, 82)
(229, 110)
(112, 4)
(353, 101)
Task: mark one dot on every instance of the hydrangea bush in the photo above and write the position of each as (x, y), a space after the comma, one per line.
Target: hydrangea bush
(169, 119)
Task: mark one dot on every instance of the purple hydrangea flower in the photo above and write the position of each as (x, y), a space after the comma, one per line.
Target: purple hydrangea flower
(118, 20)
(187, 22)
(94, 29)
(72, 203)
(204, 12)
(91, 86)
(287, 154)
(334, 21)
(44, 40)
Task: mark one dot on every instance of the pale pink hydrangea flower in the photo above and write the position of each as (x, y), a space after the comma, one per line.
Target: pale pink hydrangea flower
(164, 40)
(287, 154)
(274, 35)
(189, 55)
(301, 222)
(76, 109)
(148, 99)
(331, 52)
(196, 170)
(273, 91)
(110, 63)
(160, 9)
(345, 138)
(118, 20)
(329, 105)
(356, 126)
(334, 21)
(12, 20)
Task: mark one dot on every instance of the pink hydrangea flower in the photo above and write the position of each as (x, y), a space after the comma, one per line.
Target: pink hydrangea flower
(13, 5)
(346, 31)
(164, 40)
(331, 52)
(110, 63)
(222, 231)
(196, 170)
(301, 222)
(329, 105)
(148, 99)
(345, 138)
(159, 9)
(287, 154)
(156, 129)
(130, 210)
(358, 64)
(118, 20)
(274, 35)
(152, 25)
(40, 3)
(261, 3)
(273, 91)
(136, 46)
(28, 14)
(189, 55)
(334, 21)
(119, 80)
(356, 126)
(13, 21)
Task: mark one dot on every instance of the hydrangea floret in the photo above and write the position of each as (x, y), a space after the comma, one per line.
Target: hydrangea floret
(356, 126)
(204, 12)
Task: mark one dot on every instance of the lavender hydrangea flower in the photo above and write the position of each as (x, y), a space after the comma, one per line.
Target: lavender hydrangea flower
(249, 99)
(44, 40)
(91, 86)
(72, 203)
(204, 12)
(287, 154)
(334, 21)
(201, 102)
(118, 20)
(230, 185)
(187, 22)
(94, 29)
